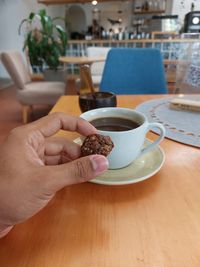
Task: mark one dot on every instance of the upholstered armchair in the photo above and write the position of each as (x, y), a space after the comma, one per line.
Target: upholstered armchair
(30, 93)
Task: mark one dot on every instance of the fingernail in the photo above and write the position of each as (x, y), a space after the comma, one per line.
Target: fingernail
(99, 163)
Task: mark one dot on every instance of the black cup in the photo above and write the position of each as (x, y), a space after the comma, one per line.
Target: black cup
(90, 101)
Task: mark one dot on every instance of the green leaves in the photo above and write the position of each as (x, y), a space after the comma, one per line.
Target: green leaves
(63, 38)
(42, 12)
(31, 16)
(45, 44)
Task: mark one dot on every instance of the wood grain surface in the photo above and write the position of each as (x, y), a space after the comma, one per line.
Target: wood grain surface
(154, 223)
(81, 60)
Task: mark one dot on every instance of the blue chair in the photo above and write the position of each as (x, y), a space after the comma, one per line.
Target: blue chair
(134, 71)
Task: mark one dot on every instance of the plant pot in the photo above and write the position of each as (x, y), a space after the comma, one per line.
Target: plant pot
(58, 75)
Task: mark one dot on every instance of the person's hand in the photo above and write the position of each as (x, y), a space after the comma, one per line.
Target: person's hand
(34, 166)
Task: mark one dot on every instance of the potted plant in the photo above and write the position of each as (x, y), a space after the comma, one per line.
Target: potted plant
(45, 41)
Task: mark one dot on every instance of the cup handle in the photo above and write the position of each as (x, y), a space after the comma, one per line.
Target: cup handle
(160, 138)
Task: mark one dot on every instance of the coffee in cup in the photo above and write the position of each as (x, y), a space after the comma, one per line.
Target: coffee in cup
(116, 124)
(127, 128)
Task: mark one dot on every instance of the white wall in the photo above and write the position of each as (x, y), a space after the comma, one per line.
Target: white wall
(182, 7)
(11, 14)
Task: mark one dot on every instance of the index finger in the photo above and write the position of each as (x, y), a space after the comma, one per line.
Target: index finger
(51, 124)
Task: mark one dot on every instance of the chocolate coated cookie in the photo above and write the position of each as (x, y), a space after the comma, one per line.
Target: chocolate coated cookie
(97, 144)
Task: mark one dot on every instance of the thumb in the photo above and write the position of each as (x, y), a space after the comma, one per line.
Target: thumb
(74, 172)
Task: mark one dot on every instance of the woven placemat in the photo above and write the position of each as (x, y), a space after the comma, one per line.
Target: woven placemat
(181, 126)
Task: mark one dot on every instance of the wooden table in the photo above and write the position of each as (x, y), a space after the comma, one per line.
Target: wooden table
(154, 223)
(81, 60)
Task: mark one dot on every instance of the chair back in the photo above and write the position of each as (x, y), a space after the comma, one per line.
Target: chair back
(97, 67)
(15, 66)
(134, 71)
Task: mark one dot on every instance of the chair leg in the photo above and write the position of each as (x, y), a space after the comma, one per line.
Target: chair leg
(25, 112)
(176, 90)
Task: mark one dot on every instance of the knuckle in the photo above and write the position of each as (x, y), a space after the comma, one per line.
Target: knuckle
(56, 114)
(16, 133)
(19, 130)
(81, 171)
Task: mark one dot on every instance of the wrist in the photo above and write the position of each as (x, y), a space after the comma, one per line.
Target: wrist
(4, 230)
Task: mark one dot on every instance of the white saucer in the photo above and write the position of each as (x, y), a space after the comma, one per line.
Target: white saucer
(141, 169)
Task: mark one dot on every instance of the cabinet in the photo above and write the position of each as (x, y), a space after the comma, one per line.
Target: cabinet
(143, 12)
(149, 7)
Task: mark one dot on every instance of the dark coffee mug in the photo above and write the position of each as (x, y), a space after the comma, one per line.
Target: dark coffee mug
(95, 100)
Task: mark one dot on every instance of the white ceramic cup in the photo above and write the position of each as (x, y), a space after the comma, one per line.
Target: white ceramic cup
(128, 145)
